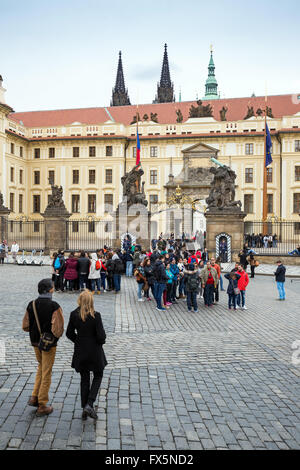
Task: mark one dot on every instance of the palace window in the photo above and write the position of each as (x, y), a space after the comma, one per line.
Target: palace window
(270, 204)
(92, 151)
(20, 203)
(12, 174)
(92, 203)
(51, 152)
(75, 152)
(12, 148)
(297, 173)
(92, 176)
(296, 208)
(108, 202)
(270, 175)
(153, 176)
(249, 149)
(75, 176)
(249, 175)
(37, 153)
(248, 203)
(75, 203)
(21, 152)
(153, 199)
(297, 145)
(36, 177)
(51, 177)
(153, 151)
(36, 203)
(108, 176)
(11, 201)
(108, 151)
(21, 176)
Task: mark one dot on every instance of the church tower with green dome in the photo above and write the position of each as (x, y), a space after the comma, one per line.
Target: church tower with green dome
(211, 86)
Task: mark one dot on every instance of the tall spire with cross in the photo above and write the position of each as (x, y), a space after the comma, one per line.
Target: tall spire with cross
(211, 86)
(165, 88)
(120, 94)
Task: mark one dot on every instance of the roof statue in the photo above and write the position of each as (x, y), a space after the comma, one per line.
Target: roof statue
(120, 94)
(223, 113)
(165, 88)
(201, 111)
(250, 113)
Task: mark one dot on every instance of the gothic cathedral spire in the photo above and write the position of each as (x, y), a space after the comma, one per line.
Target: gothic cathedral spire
(165, 89)
(120, 94)
(211, 86)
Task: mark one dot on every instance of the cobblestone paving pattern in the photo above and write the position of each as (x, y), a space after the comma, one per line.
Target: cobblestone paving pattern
(216, 379)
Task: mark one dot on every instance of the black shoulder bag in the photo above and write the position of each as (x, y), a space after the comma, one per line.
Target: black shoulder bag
(47, 340)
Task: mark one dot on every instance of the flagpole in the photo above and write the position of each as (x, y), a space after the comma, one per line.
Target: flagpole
(265, 181)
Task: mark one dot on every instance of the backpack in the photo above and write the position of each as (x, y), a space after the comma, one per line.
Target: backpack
(97, 265)
(193, 283)
(57, 263)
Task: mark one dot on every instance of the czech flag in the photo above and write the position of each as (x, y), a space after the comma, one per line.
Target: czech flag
(138, 149)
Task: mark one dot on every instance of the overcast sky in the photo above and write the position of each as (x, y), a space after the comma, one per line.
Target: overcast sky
(64, 53)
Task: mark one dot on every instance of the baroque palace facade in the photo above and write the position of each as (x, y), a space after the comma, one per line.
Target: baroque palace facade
(87, 151)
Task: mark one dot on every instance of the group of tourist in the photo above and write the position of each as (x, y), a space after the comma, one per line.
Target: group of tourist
(261, 241)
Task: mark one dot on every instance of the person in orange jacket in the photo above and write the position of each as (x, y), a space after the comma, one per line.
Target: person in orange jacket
(242, 285)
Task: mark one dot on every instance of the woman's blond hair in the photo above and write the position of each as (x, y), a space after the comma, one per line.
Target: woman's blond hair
(86, 304)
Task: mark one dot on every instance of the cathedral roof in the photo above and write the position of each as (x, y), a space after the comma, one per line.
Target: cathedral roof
(281, 105)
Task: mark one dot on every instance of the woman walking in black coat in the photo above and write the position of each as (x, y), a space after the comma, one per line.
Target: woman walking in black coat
(85, 330)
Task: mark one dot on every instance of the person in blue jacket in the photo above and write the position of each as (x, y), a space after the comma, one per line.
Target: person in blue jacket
(233, 278)
(175, 271)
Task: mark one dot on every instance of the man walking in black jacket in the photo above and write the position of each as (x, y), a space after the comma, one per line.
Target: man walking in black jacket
(280, 279)
(83, 267)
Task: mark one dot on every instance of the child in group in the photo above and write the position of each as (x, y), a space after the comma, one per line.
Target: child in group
(232, 290)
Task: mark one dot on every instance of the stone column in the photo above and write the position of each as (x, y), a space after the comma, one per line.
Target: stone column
(225, 222)
(56, 231)
(4, 213)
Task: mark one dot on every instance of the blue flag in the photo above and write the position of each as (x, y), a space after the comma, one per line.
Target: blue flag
(268, 147)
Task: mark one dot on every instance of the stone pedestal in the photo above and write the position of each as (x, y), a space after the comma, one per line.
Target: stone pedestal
(139, 226)
(4, 213)
(56, 230)
(226, 223)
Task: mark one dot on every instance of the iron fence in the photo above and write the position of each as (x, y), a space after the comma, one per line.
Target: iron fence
(88, 234)
(30, 235)
(272, 238)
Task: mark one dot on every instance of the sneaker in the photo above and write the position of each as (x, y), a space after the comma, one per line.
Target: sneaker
(161, 309)
(104, 290)
(168, 304)
(140, 300)
(196, 311)
(189, 309)
(244, 308)
(98, 292)
(89, 410)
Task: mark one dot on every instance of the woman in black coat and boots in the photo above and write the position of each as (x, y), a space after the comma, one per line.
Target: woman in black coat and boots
(85, 330)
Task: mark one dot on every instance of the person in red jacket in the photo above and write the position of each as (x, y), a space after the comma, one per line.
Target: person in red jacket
(71, 273)
(242, 285)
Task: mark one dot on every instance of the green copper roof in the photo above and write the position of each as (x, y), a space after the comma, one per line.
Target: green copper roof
(211, 84)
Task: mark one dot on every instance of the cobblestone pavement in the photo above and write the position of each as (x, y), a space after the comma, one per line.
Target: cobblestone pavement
(216, 379)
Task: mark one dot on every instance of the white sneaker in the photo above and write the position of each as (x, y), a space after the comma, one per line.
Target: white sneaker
(141, 300)
(244, 308)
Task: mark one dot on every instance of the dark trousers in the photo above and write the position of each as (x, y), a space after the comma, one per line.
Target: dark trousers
(59, 282)
(110, 282)
(209, 294)
(169, 292)
(174, 290)
(191, 298)
(159, 288)
(181, 287)
(83, 280)
(70, 283)
(252, 270)
(103, 278)
(232, 301)
(89, 393)
(147, 292)
(117, 282)
(217, 293)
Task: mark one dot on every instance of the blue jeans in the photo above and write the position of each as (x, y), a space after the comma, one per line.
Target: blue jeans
(241, 296)
(83, 279)
(181, 286)
(129, 267)
(117, 282)
(221, 282)
(281, 291)
(192, 300)
(95, 282)
(103, 278)
(160, 287)
(232, 301)
(140, 287)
